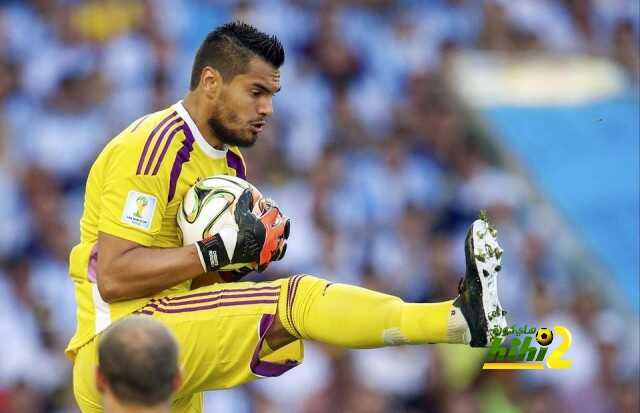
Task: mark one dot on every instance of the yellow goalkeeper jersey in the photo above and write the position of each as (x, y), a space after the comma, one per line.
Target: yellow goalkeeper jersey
(133, 191)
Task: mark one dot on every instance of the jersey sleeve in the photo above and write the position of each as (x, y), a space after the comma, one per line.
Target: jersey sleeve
(132, 205)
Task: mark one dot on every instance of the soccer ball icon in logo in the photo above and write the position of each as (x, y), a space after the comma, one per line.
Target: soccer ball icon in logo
(544, 336)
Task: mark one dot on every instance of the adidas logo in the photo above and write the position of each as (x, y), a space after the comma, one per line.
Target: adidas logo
(213, 258)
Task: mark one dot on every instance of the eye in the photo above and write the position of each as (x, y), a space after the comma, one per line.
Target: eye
(255, 92)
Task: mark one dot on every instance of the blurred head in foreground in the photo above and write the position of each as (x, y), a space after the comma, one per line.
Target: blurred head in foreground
(137, 366)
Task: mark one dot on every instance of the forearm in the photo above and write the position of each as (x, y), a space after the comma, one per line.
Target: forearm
(140, 272)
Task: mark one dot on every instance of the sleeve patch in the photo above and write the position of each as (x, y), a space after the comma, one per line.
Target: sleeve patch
(138, 210)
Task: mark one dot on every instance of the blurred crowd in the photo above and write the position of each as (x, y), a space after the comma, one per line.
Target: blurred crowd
(379, 166)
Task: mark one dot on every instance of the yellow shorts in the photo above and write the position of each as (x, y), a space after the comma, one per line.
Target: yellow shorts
(220, 331)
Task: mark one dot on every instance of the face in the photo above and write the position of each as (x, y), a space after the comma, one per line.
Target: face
(241, 110)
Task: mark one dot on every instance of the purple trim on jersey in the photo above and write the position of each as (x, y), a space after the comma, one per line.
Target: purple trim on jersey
(150, 138)
(235, 161)
(216, 304)
(164, 150)
(146, 312)
(158, 142)
(182, 156)
(235, 290)
(92, 267)
(265, 294)
(266, 368)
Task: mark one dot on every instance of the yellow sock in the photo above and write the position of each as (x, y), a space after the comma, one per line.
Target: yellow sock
(355, 317)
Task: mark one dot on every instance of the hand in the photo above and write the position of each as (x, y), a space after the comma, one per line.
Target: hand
(258, 241)
(236, 275)
(267, 206)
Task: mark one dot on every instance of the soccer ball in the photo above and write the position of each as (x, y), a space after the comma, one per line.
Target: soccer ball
(544, 336)
(208, 208)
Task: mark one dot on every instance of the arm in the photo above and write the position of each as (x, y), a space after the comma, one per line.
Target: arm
(129, 270)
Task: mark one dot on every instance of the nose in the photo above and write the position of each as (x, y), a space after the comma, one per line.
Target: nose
(265, 107)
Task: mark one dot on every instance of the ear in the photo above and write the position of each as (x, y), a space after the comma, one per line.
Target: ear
(211, 82)
(177, 380)
(101, 381)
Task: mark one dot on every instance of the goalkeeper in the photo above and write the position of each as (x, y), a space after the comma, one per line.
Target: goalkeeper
(130, 257)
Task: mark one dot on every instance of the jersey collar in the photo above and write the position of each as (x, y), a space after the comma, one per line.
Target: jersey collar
(204, 145)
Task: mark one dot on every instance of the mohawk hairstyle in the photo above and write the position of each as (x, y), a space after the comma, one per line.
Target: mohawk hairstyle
(229, 48)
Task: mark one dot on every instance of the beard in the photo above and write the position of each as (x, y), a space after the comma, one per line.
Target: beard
(227, 135)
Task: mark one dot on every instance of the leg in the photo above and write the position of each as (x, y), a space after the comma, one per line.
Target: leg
(84, 384)
(354, 317)
(221, 331)
(278, 336)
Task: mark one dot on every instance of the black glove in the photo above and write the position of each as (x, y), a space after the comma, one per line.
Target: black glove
(236, 275)
(259, 240)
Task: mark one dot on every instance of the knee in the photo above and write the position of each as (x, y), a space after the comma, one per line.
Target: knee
(306, 276)
(305, 282)
(296, 294)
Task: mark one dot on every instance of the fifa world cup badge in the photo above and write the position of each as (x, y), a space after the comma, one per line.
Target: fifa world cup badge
(138, 210)
(141, 203)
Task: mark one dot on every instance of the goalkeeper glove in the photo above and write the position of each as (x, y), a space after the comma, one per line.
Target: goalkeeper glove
(259, 239)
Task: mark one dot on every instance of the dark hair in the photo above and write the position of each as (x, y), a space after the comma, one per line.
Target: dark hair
(138, 356)
(229, 48)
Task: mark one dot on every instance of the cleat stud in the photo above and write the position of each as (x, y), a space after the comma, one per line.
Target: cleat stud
(499, 252)
(498, 268)
(485, 273)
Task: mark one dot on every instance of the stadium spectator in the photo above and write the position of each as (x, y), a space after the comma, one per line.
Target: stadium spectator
(137, 366)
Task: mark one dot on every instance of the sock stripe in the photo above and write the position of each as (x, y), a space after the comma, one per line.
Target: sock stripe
(293, 297)
(291, 304)
(289, 284)
(288, 309)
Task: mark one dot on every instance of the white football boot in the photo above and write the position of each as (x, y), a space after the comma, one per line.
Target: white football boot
(478, 299)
